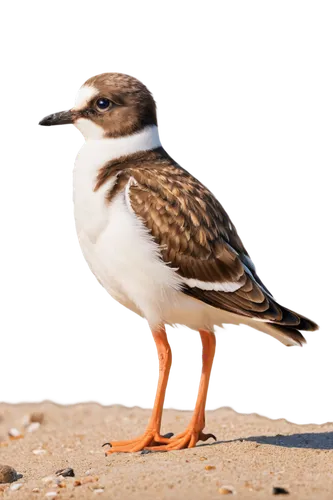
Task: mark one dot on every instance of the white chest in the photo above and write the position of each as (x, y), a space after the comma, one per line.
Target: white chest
(118, 248)
(90, 209)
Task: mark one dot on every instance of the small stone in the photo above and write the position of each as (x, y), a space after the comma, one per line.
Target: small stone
(277, 490)
(65, 472)
(36, 490)
(14, 433)
(33, 427)
(98, 490)
(210, 467)
(97, 486)
(8, 474)
(85, 480)
(169, 435)
(26, 420)
(15, 487)
(37, 416)
(39, 451)
(203, 458)
(225, 491)
(51, 494)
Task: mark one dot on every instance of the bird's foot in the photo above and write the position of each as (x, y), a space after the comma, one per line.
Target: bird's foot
(150, 438)
(187, 439)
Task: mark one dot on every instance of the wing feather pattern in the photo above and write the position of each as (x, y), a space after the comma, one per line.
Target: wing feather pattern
(197, 238)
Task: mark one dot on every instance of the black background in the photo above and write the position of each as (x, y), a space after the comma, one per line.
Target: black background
(256, 130)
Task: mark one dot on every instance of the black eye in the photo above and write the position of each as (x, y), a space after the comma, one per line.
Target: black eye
(103, 104)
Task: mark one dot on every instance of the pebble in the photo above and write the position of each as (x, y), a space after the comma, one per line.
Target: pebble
(277, 490)
(51, 494)
(89, 472)
(37, 417)
(39, 451)
(26, 420)
(225, 491)
(8, 474)
(210, 467)
(36, 490)
(85, 480)
(99, 490)
(15, 433)
(15, 487)
(33, 427)
(66, 472)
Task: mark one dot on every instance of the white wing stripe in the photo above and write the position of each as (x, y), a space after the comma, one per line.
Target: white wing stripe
(228, 286)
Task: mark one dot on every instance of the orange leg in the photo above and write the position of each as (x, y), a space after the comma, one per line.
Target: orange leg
(193, 433)
(151, 436)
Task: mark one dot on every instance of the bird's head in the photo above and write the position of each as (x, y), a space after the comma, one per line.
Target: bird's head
(109, 105)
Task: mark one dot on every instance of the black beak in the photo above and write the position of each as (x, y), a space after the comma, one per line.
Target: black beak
(60, 118)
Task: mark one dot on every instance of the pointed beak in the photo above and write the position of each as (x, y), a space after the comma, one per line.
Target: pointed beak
(61, 118)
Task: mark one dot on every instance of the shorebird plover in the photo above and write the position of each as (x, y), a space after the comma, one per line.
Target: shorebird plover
(160, 242)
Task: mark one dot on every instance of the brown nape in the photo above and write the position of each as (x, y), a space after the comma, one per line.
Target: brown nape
(133, 105)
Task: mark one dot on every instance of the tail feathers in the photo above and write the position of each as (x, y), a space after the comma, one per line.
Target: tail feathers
(307, 325)
(286, 335)
(293, 320)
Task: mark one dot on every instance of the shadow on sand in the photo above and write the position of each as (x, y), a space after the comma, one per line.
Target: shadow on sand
(307, 440)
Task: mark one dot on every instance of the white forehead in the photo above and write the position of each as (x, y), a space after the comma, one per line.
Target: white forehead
(84, 95)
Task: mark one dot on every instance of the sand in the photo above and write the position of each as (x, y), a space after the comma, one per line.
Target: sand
(253, 454)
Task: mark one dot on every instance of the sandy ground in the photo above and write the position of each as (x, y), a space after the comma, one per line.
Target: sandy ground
(253, 455)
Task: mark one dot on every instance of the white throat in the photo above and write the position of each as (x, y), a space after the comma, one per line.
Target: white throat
(90, 208)
(106, 149)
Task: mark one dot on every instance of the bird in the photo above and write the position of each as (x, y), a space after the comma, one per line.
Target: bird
(160, 242)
